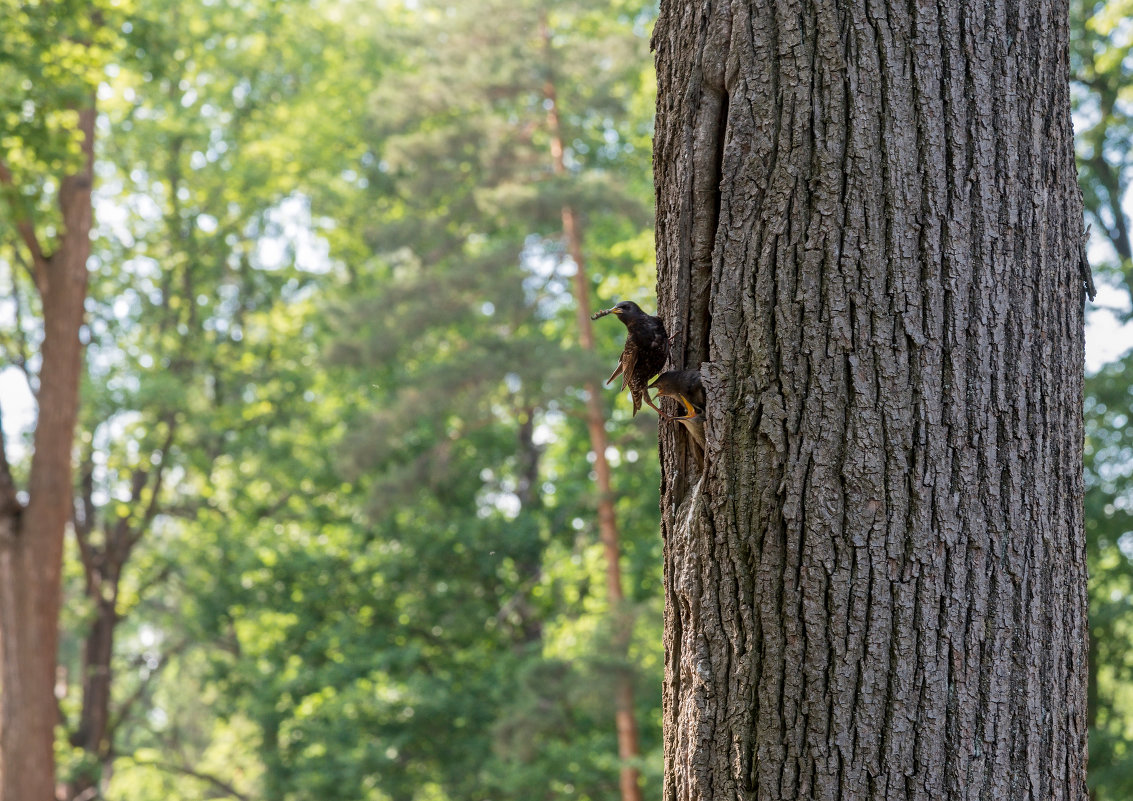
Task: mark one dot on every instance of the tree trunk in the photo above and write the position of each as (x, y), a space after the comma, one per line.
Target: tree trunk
(93, 734)
(31, 537)
(870, 241)
(104, 559)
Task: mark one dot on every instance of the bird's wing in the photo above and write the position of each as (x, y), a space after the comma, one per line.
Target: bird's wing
(616, 373)
(629, 361)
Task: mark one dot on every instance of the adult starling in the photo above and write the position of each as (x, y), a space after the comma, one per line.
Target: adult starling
(686, 387)
(645, 352)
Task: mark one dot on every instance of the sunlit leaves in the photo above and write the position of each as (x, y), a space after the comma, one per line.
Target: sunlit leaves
(53, 55)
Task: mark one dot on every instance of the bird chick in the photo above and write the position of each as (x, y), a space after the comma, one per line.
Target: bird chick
(685, 386)
(645, 353)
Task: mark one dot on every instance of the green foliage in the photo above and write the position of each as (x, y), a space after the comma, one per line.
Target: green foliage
(331, 306)
(53, 55)
(1109, 527)
(1102, 63)
(474, 460)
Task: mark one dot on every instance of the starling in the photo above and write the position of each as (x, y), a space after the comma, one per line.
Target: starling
(645, 353)
(685, 386)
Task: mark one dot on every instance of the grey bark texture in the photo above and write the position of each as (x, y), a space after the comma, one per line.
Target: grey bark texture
(869, 239)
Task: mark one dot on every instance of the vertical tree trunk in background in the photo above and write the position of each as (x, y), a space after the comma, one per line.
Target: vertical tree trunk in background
(624, 716)
(869, 240)
(31, 538)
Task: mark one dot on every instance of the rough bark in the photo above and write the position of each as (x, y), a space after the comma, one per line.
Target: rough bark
(869, 240)
(31, 535)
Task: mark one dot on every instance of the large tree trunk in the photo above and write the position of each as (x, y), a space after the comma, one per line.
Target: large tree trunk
(31, 538)
(870, 241)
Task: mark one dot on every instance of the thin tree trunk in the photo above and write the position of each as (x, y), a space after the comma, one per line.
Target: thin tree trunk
(31, 551)
(870, 241)
(528, 562)
(629, 749)
(104, 561)
(93, 734)
(102, 565)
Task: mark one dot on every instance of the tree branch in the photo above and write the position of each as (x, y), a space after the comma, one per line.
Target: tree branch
(9, 499)
(83, 518)
(22, 354)
(185, 770)
(145, 586)
(27, 232)
(159, 470)
(1110, 179)
(28, 269)
(123, 711)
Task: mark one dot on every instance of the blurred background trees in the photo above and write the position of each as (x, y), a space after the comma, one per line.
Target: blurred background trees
(334, 531)
(1101, 52)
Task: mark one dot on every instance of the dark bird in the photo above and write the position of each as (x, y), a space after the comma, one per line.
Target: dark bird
(645, 352)
(686, 387)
